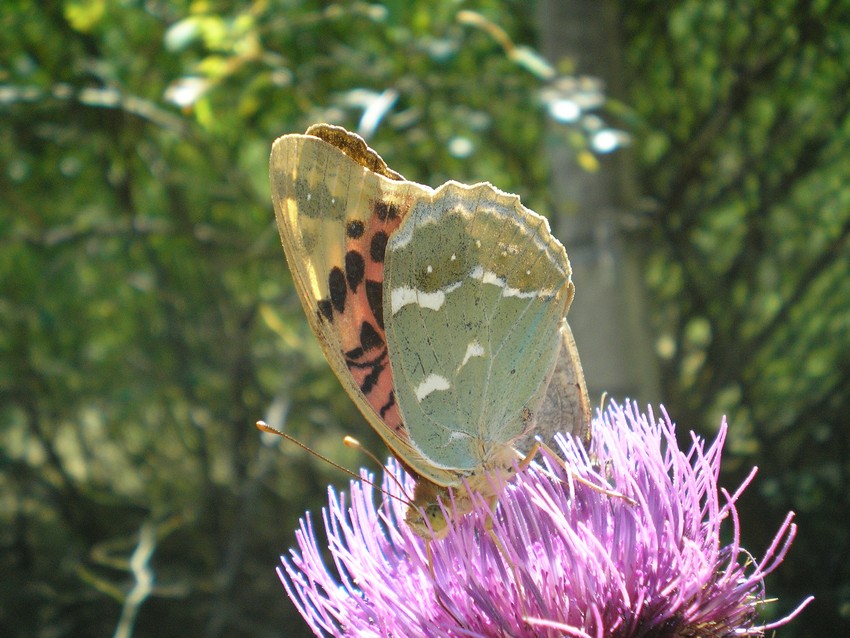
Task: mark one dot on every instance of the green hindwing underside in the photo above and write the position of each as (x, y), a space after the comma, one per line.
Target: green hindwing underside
(475, 292)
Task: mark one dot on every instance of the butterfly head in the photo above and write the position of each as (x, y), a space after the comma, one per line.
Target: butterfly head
(434, 506)
(427, 514)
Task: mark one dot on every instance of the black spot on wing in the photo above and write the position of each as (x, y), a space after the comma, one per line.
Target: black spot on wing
(372, 378)
(378, 246)
(385, 211)
(389, 404)
(369, 363)
(355, 269)
(354, 353)
(338, 290)
(375, 297)
(369, 337)
(326, 310)
(355, 229)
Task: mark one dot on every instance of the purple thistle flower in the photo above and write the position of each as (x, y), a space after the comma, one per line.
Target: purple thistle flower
(563, 559)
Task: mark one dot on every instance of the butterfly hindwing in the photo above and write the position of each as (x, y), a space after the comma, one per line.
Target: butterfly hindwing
(476, 289)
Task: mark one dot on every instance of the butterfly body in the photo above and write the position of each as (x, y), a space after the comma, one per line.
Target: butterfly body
(440, 310)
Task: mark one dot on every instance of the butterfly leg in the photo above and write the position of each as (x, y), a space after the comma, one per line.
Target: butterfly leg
(526, 461)
(429, 553)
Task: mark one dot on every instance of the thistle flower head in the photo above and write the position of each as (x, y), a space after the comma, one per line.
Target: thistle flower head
(556, 558)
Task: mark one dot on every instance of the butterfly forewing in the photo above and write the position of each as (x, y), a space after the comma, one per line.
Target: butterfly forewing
(336, 204)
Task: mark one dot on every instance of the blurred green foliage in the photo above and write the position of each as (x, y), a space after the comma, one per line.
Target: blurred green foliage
(147, 318)
(745, 126)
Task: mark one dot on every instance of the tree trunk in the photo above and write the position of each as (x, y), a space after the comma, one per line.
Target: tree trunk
(608, 315)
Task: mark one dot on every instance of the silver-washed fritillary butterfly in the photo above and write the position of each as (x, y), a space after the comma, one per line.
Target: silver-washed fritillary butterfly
(442, 311)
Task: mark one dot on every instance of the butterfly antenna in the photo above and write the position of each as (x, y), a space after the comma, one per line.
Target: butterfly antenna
(262, 426)
(354, 444)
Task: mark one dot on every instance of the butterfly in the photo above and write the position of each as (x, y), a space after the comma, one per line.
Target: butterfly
(441, 311)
